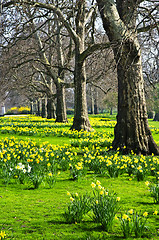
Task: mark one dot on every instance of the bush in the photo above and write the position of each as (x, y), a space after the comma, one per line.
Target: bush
(18, 110)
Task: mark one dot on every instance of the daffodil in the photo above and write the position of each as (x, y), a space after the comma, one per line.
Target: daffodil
(99, 187)
(72, 199)
(101, 192)
(118, 199)
(98, 182)
(145, 214)
(93, 185)
(2, 234)
(147, 183)
(131, 211)
(155, 212)
(125, 216)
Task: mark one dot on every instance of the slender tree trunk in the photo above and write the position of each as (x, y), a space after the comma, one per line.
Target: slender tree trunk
(96, 108)
(92, 100)
(111, 111)
(44, 108)
(31, 108)
(61, 115)
(132, 130)
(35, 107)
(38, 107)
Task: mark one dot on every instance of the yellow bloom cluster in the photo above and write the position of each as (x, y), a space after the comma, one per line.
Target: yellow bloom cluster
(2, 234)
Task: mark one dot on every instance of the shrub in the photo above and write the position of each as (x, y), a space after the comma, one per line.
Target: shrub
(18, 110)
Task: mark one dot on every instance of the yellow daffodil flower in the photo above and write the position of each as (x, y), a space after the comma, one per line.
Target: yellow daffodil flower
(118, 199)
(145, 214)
(2, 234)
(93, 185)
(131, 211)
(155, 212)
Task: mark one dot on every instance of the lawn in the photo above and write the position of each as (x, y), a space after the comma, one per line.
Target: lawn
(30, 211)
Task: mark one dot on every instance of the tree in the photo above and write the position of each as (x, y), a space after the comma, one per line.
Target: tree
(77, 30)
(132, 130)
(111, 101)
(36, 38)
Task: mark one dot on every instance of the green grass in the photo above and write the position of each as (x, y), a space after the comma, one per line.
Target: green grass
(38, 214)
(52, 140)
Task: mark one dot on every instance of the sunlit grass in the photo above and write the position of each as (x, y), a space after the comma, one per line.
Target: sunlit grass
(38, 214)
(27, 213)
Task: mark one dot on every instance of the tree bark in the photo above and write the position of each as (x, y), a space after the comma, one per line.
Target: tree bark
(132, 130)
(61, 115)
(92, 100)
(35, 107)
(38, 108)
(31, 108)
(50, 109)
(96, 105)
(156, 117)
(81, 120)
(111, 111)
(44, 108)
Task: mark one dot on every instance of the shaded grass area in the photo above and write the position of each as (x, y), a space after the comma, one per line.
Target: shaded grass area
(38, 214)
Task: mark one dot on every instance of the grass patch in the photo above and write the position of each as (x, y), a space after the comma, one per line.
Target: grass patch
(38, 214)
(27, 213)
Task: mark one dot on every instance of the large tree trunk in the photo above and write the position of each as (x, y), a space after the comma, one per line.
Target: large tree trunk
(61, 115)
(132, 130)
(81, 120)
(51, 112)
